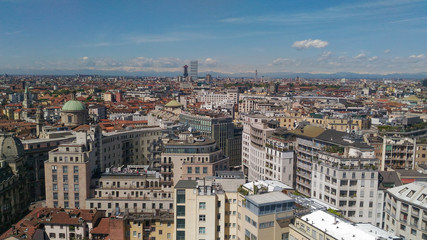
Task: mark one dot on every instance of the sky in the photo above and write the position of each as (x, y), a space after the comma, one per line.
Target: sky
(374, 36)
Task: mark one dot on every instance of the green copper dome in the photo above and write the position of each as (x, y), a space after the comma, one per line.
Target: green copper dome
(173, 104)
(73, 105)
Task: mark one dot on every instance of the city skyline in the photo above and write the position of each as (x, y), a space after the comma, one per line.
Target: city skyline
(374, 37)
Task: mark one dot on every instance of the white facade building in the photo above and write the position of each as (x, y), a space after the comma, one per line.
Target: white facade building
(406, 211)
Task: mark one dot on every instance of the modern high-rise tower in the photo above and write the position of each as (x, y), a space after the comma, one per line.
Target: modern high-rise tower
(193, 70)
(185, 71)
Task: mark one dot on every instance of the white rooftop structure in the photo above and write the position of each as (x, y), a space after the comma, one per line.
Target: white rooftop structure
(272, 186)
(343, 229)
(268, 198)
(415, 193)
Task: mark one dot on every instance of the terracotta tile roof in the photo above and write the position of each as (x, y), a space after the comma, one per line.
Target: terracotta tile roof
(27, 226)
(103, 227)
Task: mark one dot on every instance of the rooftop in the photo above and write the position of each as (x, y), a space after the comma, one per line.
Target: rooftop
(267, 198)
(414, 193)
(342, 229)
(187, 184)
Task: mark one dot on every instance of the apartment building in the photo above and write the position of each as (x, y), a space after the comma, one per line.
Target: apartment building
(265, 216)
(406, 211)
(349, 182)
(37, 152)
(231, 95)
(341, 124)
(129, 190)
(190, 158)
(150, 226)
(254, 136)
(130, 146)
(225, 211)
(312, 141)
(205, 211)
(67, 175)
(267, 153)
(219, 128)
(306, 148)
(323, 225)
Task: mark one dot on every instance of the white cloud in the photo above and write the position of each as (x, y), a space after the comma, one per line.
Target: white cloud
(325, 55)
(317, 43)
(387, 51)
(373, 58)
(85, 58)
(360, 56)
(283, 61)
(421, 56)
(210, 62)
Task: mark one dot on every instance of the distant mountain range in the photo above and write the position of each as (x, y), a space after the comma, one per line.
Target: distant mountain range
(338, 75)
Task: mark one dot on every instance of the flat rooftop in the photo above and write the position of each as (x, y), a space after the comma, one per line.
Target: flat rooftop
(267, 198)
(343, 229)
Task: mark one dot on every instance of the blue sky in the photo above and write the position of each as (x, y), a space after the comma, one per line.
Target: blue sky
(385, 36)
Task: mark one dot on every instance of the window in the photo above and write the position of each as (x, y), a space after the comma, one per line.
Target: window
(54, 178)
(266, 225)
(180, 235)
(64, 169)
(189, 170)
(413, 231)
(66, 187)
(180, 210)
(180, 196)
(205, 170)
(55, 187)
(76, 178)
(202, 218)
(52, 235)
(180, 223)
(197, 169)
(55, 196)
(202, 205)
(202, 230)
(76, 169)
(76, 187)
(66, 196)
(65, 178)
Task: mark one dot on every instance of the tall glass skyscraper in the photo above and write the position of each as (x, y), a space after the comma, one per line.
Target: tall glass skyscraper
(194, 70)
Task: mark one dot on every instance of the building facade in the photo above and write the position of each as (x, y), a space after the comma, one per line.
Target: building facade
(14, 196)
(406, 211)
(219, 128)
(67, 175)
(190, 159)
(127, 190)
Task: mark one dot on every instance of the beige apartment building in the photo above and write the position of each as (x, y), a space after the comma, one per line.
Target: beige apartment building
(218, 211)
(204, 212)
(191, 158)
(264, 216)
(127, 190)
(150, 226)
(67, 176)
